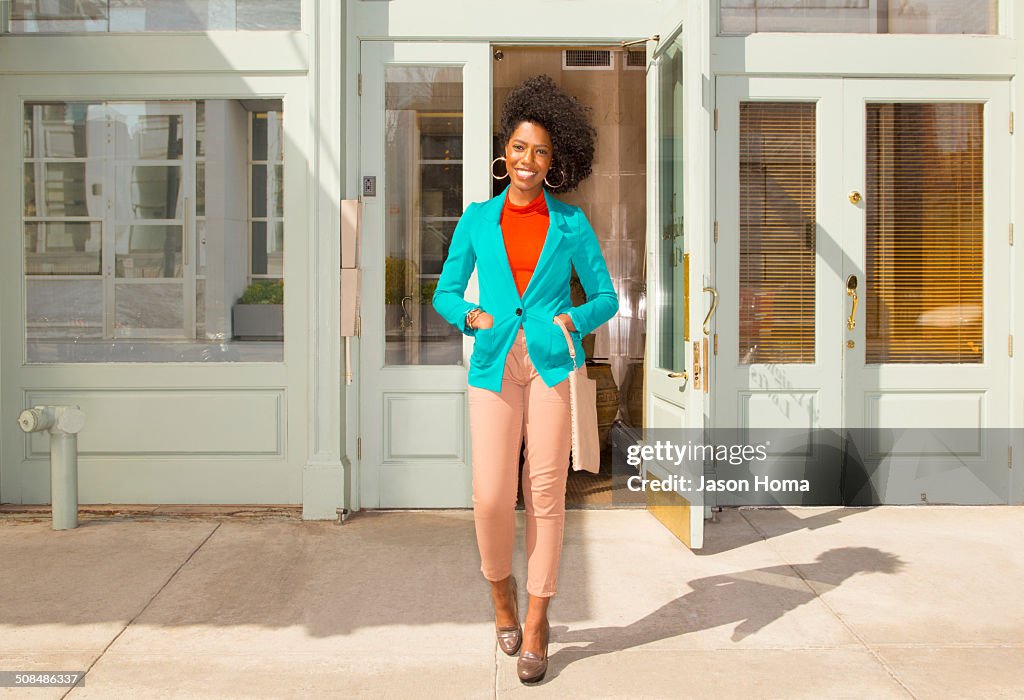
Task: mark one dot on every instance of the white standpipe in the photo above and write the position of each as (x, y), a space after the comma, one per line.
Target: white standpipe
(63, 423)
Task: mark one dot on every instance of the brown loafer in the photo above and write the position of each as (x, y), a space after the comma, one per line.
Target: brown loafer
(530, 667)
(511, 637)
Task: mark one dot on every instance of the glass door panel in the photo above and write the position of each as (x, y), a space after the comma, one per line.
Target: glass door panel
(777, 232)
(423, 152)
(924, 233)
(672, 296)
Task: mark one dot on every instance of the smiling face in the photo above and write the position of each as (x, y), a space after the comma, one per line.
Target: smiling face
(528, 156)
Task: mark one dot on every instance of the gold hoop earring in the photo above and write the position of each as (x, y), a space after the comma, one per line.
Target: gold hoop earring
(560, 183)
(492, 168)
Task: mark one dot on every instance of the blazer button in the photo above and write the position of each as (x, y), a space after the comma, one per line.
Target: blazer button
(519, 312)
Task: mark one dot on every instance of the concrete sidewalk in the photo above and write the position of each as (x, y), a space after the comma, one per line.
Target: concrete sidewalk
(883, 602)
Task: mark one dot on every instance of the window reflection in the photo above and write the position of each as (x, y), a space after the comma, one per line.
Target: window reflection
(860, 16)
(423, 126)
(32, 16)
(267, 194)
(672, 298)
(134, 219)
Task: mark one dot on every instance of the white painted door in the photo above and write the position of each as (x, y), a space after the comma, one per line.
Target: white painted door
(674, 397)
(424, 154)
(890, 191)
(777, 342)
(926, 371)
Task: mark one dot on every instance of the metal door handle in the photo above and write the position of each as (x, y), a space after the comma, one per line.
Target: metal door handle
(851, 291)
(406, 320)
(680, 375)
(711, 311)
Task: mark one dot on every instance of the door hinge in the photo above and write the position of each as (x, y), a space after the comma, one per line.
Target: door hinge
(360, 84)
(716, 118)
(716, 343)
(1009, 456)
(1011, 233)
(1009, 346)
(1011, 122)
(716, 232)
(359, 448)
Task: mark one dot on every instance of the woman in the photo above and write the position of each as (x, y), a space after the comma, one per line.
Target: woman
(524, 244)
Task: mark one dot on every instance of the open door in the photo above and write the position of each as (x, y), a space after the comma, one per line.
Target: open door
(676, 366)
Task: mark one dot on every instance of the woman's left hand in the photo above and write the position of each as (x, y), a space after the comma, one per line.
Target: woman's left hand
(567, 320)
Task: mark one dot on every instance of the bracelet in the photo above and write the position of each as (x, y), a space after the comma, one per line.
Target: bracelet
(471, 316)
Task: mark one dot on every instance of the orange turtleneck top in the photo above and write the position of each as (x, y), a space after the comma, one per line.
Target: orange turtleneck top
(524, 229)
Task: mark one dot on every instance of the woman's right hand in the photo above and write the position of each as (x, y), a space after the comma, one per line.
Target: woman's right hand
(483, 320)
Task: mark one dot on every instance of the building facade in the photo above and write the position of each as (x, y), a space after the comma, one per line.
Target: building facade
(807, 209)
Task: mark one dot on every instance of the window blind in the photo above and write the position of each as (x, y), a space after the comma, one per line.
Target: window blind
(777, 232)
(924, 233)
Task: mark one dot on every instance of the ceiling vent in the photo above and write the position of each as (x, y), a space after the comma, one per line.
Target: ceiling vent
(588, 59)
(635, 59)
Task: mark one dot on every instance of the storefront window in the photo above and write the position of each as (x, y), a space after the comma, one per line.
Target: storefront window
(52, 16)
(135, 217)
(860, 16)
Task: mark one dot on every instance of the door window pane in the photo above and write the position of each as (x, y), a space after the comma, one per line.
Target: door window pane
(148, 251)
(148, 310)
(58, 309)
(58, 131)
(672, 299)
(777, 232)
(924, 211)
(860, 16)
(32, 16)
(150, 192)
(60, 189)
(423, 162)
(62, 248)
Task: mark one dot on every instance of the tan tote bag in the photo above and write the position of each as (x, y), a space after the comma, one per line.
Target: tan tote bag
(586, 450)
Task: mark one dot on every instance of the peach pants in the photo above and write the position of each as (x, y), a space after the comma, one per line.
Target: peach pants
(525, 408)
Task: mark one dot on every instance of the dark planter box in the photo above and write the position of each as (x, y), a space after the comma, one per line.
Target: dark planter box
(258, 321)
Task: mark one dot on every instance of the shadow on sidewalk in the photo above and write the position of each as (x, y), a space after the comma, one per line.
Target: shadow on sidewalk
(784, 521)
(752, 599)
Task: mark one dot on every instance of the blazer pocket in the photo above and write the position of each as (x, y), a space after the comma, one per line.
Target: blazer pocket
(559, 349)
(484, 346)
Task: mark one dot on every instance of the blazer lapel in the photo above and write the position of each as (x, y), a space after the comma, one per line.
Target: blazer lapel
(495, 237)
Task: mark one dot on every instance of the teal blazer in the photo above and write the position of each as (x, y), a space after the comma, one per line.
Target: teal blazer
(571, 242)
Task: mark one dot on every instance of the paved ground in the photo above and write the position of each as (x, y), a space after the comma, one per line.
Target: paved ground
(922, 602)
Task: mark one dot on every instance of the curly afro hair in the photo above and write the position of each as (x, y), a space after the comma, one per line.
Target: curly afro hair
(541, 101)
